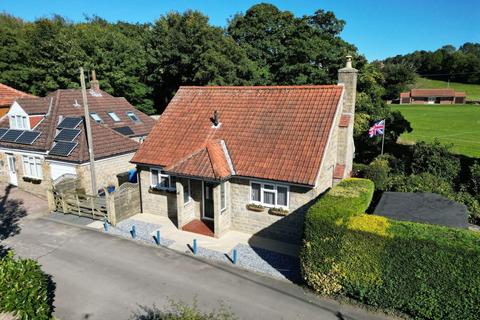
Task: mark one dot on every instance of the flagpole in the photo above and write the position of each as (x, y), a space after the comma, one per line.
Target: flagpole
(383, 135)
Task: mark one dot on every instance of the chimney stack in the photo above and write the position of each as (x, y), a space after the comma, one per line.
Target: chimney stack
(216, 118)
(94, 85)
(348, 77)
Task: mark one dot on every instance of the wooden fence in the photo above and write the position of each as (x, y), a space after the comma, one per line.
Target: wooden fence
(65, 196)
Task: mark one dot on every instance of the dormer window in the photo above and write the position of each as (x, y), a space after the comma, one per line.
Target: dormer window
(19, 122)
(132, 116)
(114, 116)
(96, 117)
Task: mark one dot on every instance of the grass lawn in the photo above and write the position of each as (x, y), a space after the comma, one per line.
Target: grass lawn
(472, 90)
(453, 124)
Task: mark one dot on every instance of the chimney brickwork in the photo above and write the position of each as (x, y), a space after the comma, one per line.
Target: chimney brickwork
(345, 145)
(94, 84)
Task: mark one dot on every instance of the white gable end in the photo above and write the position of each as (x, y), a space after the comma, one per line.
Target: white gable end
(17, 110)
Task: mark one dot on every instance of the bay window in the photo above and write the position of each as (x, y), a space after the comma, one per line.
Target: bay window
(160, 180)
(269, 194)
(32, 167)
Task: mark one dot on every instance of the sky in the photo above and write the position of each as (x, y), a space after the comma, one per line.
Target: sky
(379, 29)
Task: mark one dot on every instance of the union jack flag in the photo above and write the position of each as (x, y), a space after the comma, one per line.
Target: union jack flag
(377, 129)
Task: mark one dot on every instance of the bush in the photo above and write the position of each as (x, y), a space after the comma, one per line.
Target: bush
(378, 171)
(435, 158)
(24, 288)
(182, 311)
(426, 271)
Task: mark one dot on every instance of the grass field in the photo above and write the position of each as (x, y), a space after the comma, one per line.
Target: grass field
(453, 124)
(472, 90)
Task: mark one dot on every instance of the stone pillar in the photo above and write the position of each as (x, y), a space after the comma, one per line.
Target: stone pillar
(181, 220)
(345, 145)
(51, 200)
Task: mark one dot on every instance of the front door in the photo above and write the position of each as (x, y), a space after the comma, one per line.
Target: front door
(12, 170)
(208, 200)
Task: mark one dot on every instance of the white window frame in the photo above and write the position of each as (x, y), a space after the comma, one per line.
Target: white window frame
(114, 116)
(161, 174)
(223, 206)
(19, 122)
(274, 190)
(130, 114)
(96, 117)
(27, 162)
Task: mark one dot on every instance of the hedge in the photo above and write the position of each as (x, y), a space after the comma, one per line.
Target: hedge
(425, 271)
(24, 288)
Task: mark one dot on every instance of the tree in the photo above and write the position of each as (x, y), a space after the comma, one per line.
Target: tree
(435, 158)
(184, 49)
(397, 78)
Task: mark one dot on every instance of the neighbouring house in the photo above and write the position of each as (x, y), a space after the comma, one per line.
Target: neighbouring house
(8, 95)
(44, 138)
(432, 96)
(248, 158)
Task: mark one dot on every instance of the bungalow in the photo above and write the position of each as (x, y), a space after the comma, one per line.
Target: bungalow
(432, 96)
(8, 95)
(42, 139)
(248, 158)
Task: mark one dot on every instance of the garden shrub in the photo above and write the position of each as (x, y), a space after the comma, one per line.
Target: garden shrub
(24, 288)
(425, 271)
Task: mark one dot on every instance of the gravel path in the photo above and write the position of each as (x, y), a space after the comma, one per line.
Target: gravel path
(143, 231)
(275, 264)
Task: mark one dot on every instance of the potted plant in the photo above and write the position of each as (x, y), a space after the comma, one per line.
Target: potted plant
(255, 207)
(278, 212)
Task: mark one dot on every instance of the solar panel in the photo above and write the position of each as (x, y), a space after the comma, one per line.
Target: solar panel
(126, 131)
(28, 137)
(2, 131)
(69, 123)
(11, 135)
(67, 135)
(63, 148)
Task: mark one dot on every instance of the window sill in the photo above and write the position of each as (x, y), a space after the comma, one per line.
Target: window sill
(33, 180)
(161, 190)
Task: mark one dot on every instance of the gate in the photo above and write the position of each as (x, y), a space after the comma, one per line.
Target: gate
(67, 197)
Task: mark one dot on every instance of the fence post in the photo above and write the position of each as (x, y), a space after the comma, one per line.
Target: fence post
(92, 203)
(64, 203)
(51, 200)
(110, 205)
(78, 204)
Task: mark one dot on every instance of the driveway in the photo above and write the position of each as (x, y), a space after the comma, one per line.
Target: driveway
(99, 276)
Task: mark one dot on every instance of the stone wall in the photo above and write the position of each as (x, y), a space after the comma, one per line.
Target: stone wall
(36, 187)
(106, 171)
(289, 228)
(163, 203)
(223, 218)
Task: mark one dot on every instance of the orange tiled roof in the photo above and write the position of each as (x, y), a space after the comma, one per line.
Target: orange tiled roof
(277, 133)
(432, 92)
(9, 94)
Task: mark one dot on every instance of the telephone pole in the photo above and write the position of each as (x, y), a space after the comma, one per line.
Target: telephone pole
(89, 133)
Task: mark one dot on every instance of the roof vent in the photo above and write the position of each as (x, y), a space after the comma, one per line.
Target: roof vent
(215, 119)
(76, 104)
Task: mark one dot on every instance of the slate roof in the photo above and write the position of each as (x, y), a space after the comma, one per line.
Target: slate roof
(9, 94)
(68, 103)
(278, 133)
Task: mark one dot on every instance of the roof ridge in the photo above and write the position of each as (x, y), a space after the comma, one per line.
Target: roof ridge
(186, 158)
(320, 86)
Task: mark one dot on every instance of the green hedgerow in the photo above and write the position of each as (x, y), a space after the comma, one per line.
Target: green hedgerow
(24, 288)
(426, 271)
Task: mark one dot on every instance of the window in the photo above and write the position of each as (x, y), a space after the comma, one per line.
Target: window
(186, 190)
(268, 194)
(32, 167)
(19, 122)
(114, 116)
(223, 197)
(96, 117)
(133, 116)
(160, 180)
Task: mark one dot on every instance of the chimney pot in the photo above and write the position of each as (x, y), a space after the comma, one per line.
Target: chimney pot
(216, 118)
(349, 61)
